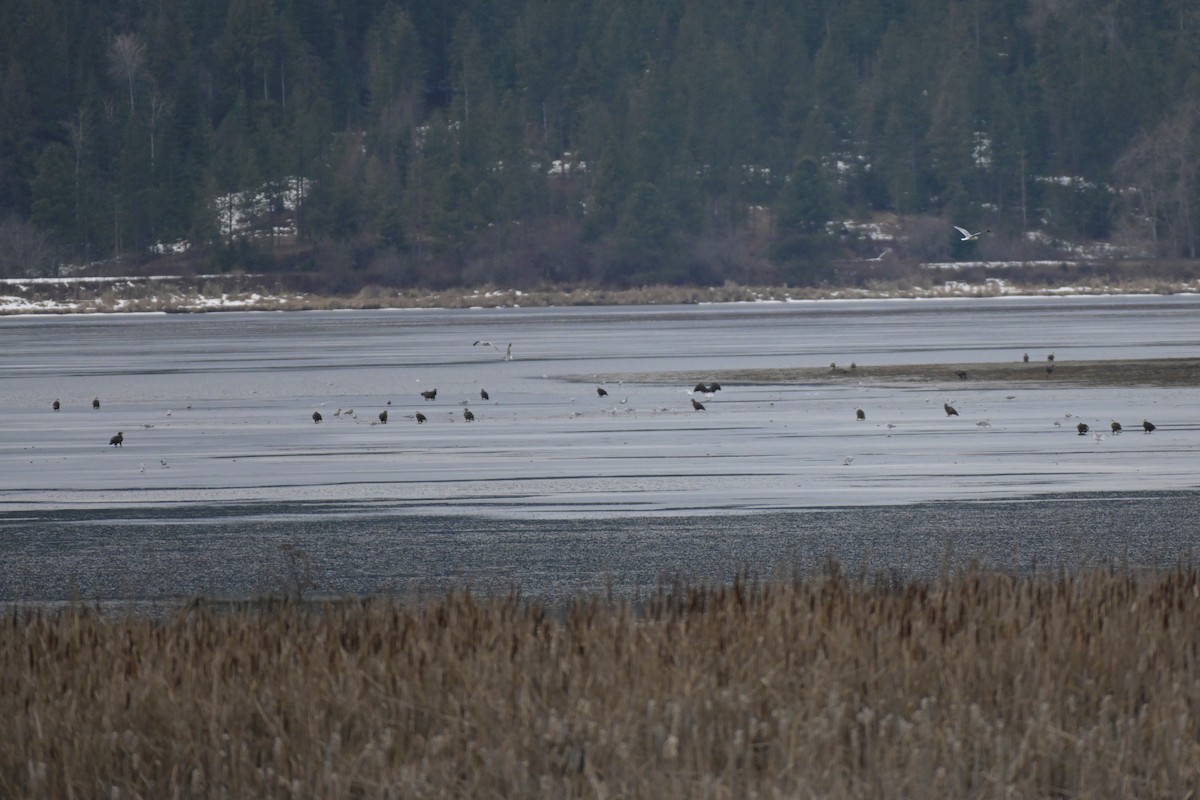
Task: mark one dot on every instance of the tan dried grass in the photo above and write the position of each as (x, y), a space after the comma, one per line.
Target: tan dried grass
(982, 686)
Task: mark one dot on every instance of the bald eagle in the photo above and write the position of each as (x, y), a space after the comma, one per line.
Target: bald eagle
(430, 394)
(56, 405)
(483, 395)
(860, 414)
(117, 440)
(697, 405)
(383, 416)
(1116, 426)
(951, 411)
(601, 392)
(95, 402)
(317, 416)
(420, 417)
(1148, 426)
(467, 415)
(1082, 428)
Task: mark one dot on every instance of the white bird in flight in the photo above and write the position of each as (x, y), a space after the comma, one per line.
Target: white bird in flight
(967, 236)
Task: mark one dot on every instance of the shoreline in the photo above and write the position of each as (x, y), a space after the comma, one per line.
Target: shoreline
(1176, 372)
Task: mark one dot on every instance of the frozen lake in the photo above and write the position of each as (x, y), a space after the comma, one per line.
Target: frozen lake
(225, 485)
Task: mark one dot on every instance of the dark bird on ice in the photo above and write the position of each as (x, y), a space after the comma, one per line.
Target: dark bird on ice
(1116, 426)
(700, 387)
(317, 416)
(420, 417)
(483, 395)
(429, 394)
(467, 415)
(1050, 357)
(1027, 358)
(1148, 426)
(383, 416)
(95, 403)
(1082, 428)
(117, 440)
(961, 373)
(56, 405)
(951, 411)
(697, 405)
(601, 391)
(860, 414)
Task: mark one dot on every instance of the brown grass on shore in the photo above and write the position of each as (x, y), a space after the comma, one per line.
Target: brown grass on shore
(985, 685)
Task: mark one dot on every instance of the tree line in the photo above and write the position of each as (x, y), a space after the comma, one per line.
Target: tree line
(613, 142)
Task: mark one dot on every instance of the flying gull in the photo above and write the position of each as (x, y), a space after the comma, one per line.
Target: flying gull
(967, 236)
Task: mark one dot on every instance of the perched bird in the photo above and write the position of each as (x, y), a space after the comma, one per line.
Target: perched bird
(1027, 358)
(56, 405)
(117, 440)
(1050, 357)
(859, 413)
(951, 411)
(1116, 426)
(961, 373)
(317, 416)
(429, 394)
(95, 403)
(483, 395)
(1148, 426)
(601, 391)
(714, 387)
(1082, 428)
(383, 416)
(697, 405)
(467, 415)
(967, 236)
(853, 365)
(508, 353)
(420, 417)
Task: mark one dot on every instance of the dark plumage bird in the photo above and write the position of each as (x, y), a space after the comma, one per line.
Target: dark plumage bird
(429, 394)
(1082, 428)
(701, 387)
(483, 395)
(860, 414)
(317, 416)
(1116, 426)
(117, 440)
(601, 392)
(714, 387)
(697, 405)
(1049, 368)
(961, 373)
(1148, 426)
(420, 417)
(951, 411)
(1027, 358)
(383, 416)
(1050, 357)
(467, 415)
(56, 405)
(95, 403)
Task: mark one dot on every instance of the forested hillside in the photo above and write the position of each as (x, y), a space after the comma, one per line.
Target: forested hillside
(607, 142)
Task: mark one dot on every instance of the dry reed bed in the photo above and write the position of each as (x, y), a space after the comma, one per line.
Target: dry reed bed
(986, 685)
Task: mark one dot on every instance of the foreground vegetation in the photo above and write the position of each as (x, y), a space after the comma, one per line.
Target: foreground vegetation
(983, 685)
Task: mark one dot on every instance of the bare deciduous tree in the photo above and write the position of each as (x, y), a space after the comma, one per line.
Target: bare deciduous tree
(127, 56)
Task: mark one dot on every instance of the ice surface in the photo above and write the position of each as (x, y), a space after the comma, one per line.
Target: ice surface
(216, 412)
(226, 402)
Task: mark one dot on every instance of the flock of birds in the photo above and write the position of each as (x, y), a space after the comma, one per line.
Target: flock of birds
(706, 389)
